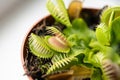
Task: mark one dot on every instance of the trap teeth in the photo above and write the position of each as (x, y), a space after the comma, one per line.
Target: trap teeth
(38, 47)
(111, 70)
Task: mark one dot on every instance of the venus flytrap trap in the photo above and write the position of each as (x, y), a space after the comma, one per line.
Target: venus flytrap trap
(102, 34)
(38, 47)
(58, 11)
(105, 17)
(58, 41)
(78, 46)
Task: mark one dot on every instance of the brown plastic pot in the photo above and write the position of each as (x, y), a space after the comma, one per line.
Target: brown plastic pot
(50, 20)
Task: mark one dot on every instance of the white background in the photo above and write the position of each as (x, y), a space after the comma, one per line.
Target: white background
(16, 17)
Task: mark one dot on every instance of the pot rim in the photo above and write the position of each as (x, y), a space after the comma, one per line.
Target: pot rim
(25, 39)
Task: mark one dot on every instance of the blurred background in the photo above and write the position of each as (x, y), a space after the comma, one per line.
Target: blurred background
(16, 17)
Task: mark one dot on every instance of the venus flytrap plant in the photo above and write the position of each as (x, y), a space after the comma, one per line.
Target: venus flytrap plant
(81, 45)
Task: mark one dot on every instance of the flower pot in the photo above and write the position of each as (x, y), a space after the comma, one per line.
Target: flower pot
(92, 20)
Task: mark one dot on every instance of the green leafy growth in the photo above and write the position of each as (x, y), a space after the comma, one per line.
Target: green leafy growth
(38, 47)
(59, 36)
(98, 59)
(115, 30)
(79, 26)
(94, 58)
(111, 54)
(80, 31)
(97, 74)
(59, 12)
(62, 60)
(106, 64)
(73, 39)
(110, 14)
(102, 34)
(107, 51)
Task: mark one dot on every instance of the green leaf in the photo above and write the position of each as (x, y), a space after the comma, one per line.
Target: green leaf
(94, 59)
(79, 27)
(79, 24)
(116, 58)
(97, 74)
(115, 30)
(59, 12)
(98, 58)
(102, 34)
(80, 59)
(111, 54)
(96, 45)
(111, 18)
(81, 30)
(72, 39)
(107, 15)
